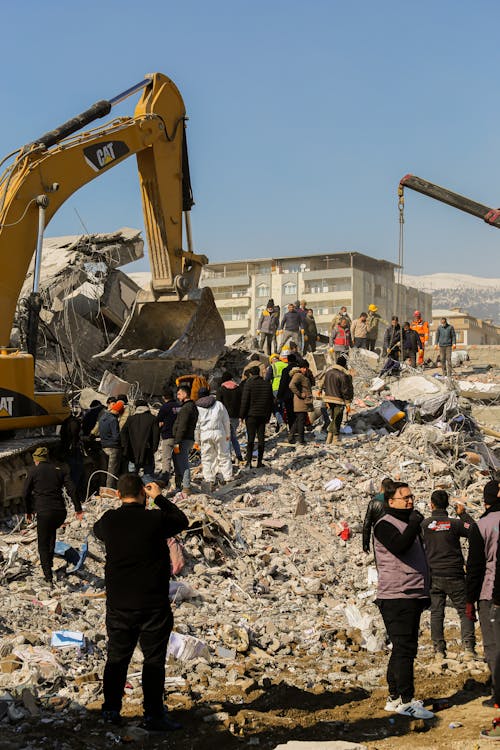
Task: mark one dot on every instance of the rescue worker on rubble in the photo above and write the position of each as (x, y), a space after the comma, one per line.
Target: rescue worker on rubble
(43, 495)
(166, 417)
(359, 331)
(480, 579)
(183, 432)
(411, 344)
(337, 393)
(256, 409)
(109, 432)
(291, 326)
(392, 339)
(442, 535)
(340, 339)
(402, 594)
(373, 320)
(422, 328)
(137, 576)
(273, 375)
(446, 340)
(341, 315)
(300, 386)
(310, 332)
(374, 511)
(267, 327)
(214, 429)
(284, 394)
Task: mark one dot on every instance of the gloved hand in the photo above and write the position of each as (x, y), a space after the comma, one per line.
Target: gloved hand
(454, 346)
(348, 408)
(278, 333)
(257, 331)
(436, 347)
(306, 338)
(470, 612)
(331, 350)
(415, 517)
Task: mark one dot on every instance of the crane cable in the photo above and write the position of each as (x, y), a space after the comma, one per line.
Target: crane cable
(401, 245)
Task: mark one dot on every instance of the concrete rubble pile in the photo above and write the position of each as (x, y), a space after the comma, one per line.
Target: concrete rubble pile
(86, 299)
(275, 587)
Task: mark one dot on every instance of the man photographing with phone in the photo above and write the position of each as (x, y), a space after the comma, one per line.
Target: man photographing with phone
(137, 576)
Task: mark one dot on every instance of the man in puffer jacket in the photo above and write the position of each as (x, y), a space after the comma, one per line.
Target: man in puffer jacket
(215, 432)
(140, 438)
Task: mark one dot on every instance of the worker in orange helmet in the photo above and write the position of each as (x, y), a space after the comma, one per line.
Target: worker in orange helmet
(422, 328)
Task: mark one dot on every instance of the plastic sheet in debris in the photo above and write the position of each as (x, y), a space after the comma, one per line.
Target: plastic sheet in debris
(186, 647)
(67, 639)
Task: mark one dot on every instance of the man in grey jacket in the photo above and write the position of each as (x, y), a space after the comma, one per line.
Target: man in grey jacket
(403, 592)
(446, 340)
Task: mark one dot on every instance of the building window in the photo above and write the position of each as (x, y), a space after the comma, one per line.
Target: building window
(289, 288)
(343, 284)
(263, 290)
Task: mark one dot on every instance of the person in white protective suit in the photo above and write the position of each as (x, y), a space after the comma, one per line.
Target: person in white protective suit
(214, 429)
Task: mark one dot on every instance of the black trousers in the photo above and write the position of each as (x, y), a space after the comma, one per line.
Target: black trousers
(370, 344)
(489, 620)
(267, 339)
(255, 426)
(151, 628)
(401, 619)
(361, 343)
(290, 414)
(46, 527)
(298, 427)
(411, 355)
(454, 588)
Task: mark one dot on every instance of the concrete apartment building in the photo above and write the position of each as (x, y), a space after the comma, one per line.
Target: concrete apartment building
(326, 281)
(470, 331)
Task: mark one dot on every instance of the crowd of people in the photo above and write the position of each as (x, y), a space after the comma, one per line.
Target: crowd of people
(406, 343)
(420, 564)
(419, 560)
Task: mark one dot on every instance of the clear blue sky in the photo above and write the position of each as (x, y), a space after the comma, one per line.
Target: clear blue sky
(303, 117)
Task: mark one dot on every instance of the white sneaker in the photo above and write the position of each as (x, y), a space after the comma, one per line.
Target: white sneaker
(392, 704)
(415, 709)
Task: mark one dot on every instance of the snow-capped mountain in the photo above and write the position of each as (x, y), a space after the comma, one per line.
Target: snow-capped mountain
(478, 296)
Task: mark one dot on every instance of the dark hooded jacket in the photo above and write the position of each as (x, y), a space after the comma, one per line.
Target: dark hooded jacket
(140, 436)
(185, 423)
(229, 393)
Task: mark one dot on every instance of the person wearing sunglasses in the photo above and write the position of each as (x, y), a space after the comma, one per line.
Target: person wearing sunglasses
(403, 593)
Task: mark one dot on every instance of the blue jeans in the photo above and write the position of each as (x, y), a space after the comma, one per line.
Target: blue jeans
(181, 464)
(234, 421)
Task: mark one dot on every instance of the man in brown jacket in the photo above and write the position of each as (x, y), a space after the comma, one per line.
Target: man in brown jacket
(359, 331)
(300, 386)
(337, 393)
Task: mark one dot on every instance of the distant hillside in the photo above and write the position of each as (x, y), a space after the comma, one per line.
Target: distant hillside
(478, 296)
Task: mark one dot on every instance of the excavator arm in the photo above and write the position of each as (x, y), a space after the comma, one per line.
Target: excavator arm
(489, 215)
(48, 171)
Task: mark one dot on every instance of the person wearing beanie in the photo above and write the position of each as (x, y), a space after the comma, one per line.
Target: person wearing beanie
(267, 327)
(338, 393)
(442, 535)
(480, 581)
(43, 495)
(109, 433)
(140, 438)
(256, 408)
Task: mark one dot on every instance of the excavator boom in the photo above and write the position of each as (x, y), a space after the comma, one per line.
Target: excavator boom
(49, 170)
(489, 215)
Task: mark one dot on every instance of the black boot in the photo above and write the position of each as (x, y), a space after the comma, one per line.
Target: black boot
(260, 455)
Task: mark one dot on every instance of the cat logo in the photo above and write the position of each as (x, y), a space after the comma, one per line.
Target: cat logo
(6, 406)
(102, 155)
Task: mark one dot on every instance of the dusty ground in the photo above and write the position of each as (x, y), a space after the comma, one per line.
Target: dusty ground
(281, 713)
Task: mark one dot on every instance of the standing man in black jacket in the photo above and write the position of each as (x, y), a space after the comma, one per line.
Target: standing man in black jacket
(140, 438)
(183, 432)
(137, 576)
(411, 344)
(442, 536)
(229, 394)
(256, 408)
(285, 395)
(43, 494)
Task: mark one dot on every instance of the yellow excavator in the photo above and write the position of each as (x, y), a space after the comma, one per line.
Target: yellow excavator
(42, 176)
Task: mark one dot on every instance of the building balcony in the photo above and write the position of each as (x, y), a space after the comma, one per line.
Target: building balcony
(228, 279)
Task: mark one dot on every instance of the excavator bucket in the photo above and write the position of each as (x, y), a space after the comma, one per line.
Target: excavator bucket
(191, 329)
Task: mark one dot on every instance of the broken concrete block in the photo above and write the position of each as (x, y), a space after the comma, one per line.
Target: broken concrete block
(9, 664)
(112, 385)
